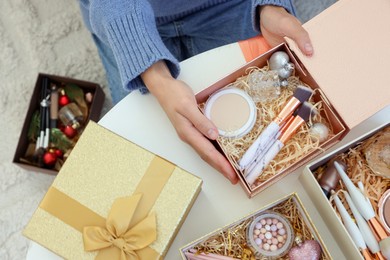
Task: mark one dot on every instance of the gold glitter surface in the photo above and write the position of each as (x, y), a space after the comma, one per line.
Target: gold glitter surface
(56, 236)
(175, 199)
(102, 167)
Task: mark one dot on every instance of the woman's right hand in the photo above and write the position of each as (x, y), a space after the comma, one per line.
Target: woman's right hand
(178, 101)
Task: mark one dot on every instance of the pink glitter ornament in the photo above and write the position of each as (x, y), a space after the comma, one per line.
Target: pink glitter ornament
(308, 250)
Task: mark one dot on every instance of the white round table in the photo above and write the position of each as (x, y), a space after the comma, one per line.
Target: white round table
(140, 119)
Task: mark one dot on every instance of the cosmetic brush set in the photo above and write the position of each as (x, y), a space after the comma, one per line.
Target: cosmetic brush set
(56, 124)
(276, 134)
(362, 197)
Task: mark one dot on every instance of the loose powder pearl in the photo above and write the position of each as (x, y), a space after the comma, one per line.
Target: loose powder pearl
(257, 231)
(258, 241)
(273, 228)
(258, 225)
(281, 231)
(268, 235)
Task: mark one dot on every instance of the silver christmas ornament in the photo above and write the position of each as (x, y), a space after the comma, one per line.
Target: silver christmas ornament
(279, 61)
(319, 131)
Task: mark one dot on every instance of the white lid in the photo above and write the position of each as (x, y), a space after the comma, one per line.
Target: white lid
(233, 112)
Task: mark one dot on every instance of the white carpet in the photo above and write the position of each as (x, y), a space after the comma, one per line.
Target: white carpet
(36, 36)
(44, 36)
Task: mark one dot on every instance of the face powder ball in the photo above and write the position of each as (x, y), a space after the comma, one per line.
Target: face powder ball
(232, 111)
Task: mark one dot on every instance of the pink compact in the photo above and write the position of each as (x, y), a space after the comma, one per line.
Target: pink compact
(384, 210)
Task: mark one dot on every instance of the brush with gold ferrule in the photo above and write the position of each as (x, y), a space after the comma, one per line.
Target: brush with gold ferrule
(268, 135)
(302, 116)
(367, 212)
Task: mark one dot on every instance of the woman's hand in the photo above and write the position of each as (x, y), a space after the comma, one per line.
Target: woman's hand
(276, 22)
(178, 101)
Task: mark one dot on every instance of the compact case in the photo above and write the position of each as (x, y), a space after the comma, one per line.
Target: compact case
(348, 71)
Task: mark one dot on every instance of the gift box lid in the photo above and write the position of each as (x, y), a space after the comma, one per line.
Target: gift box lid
(351, 57)
(115, 188)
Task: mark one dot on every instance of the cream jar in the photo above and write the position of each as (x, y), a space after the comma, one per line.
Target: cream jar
(232, 111)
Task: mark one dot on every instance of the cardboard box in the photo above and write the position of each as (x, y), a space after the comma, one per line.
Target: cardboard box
(321, 202)
(290, 203)
(347, 73)
(103, 170)
(94, 114)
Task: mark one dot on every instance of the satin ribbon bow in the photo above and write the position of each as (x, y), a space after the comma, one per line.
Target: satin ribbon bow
(117, 240)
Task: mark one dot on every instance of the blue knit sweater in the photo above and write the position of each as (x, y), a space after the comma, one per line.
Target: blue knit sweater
(129, 28)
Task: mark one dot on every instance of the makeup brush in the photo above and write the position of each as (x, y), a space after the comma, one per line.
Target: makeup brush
(53, 106)
(352, 229)
(367, 212)
(259, 146)
(365, 230)
(302, 116)
(42, 140)
(270, 143)
(207, 256)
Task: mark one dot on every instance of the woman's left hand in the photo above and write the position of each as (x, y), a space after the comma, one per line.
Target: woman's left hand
(276, 23)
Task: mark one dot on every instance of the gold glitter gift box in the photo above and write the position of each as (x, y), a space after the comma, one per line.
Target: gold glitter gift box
(84, 201)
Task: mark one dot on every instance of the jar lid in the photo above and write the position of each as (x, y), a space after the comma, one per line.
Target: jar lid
(232, 111)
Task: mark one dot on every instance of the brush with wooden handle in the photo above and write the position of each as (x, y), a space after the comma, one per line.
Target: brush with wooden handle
(260, 145)
(302, 116)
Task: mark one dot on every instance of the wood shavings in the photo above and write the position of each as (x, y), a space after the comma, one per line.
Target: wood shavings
(295, 149)
(358, 170)
(232, 240)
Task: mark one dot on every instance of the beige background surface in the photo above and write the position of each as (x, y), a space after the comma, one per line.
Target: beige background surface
(44, 36)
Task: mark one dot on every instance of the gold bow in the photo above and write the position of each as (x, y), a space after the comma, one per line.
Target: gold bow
(118, 240)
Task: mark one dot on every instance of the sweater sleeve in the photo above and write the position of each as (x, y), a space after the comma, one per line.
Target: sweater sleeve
(129, 28)
(286, 4)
